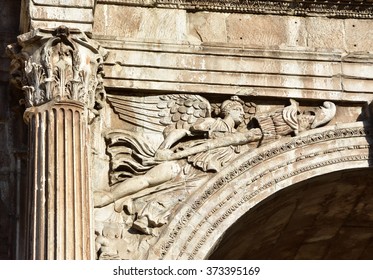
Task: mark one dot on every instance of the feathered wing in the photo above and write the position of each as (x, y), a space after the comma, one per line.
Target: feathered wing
(130, 154)
(136, 110)
(159, 111)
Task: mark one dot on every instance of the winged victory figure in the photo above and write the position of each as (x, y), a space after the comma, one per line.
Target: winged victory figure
(190, 136)
(172, 145)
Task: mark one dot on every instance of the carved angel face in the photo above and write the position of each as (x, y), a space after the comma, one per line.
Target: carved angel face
(236, 113)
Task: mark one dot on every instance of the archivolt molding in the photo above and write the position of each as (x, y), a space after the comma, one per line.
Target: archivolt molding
(353, 9)
(197, 225)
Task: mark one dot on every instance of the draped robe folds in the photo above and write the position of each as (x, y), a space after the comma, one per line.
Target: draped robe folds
(212, 160)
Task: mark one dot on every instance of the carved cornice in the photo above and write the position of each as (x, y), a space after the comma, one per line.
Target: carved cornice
(57, 65)
(234, 70)
(342, 9)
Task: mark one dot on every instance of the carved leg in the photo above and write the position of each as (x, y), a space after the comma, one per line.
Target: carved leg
(157, 175)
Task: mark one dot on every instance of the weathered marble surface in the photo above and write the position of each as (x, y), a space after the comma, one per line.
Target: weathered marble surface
(354, 9)
(60, 72)
(198, 225)
(240, 29)
(327, 217)
(236, 54)
(51, 14)
(200, 116)
(281, 73)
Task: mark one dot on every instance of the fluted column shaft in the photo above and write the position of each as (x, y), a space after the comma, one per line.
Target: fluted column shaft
(60, 197)
(60, 72)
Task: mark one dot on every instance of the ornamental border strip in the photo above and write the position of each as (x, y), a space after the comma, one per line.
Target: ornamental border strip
(359, 9)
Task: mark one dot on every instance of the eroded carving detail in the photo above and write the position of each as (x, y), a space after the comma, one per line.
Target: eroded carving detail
(148, 180)
(246, 198)
(291, 120)
(60, 72)
(177, 166)
(362, 9)
(241, 201)
(66, 66)
(328, 135)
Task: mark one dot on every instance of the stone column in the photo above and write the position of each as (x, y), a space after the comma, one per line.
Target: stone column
(62, 79)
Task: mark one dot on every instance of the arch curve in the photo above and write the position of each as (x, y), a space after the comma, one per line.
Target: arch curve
(198, 224)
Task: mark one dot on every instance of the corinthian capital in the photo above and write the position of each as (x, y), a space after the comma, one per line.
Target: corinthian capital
(58, 65)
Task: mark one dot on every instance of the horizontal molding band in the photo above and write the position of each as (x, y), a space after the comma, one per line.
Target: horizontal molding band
(294, 73)
(68, 14)
(343, 9)
(122, 44)
(223, 78)
(268, 92)
(66, 3)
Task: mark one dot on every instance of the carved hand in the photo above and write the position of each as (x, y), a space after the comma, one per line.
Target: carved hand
(254, 134)
(257, 131)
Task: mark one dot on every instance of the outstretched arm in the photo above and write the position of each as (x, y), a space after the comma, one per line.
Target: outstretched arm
(173, 137)
(164, 153)
(235, 139)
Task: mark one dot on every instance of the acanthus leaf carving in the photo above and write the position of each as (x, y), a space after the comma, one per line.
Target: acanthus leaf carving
(59, 64)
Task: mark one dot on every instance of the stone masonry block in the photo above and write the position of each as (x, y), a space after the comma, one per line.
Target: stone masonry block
(359, 35)
(207, 27)
(265, 31)
(325, 33)
(140, 23)
(61, 13)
